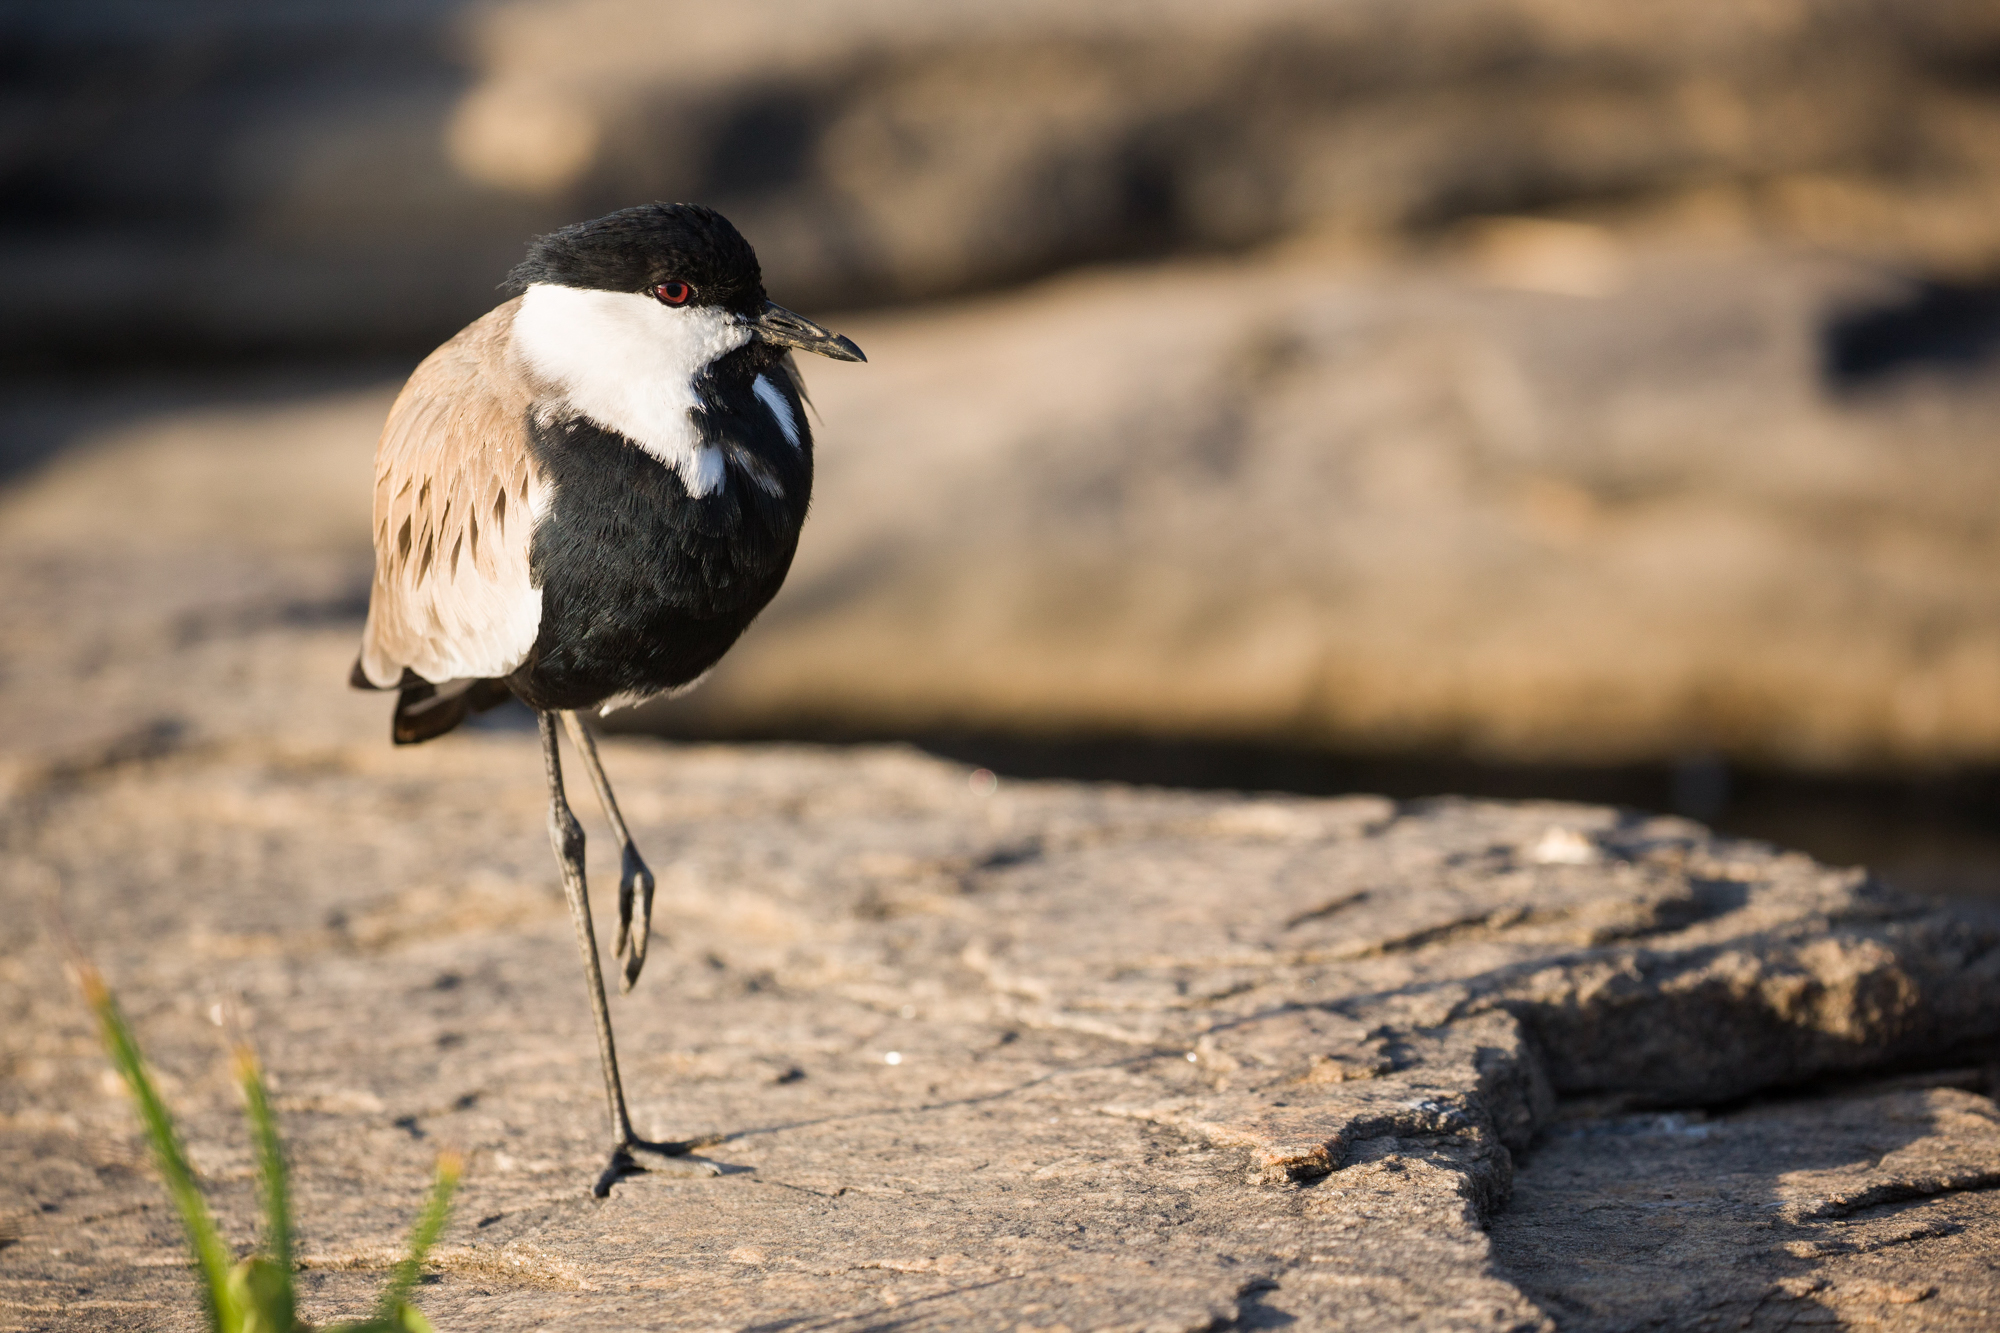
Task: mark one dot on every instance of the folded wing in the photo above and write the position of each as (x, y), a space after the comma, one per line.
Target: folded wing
(456, 497)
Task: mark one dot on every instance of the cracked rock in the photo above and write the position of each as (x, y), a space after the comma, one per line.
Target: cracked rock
(1134, 1086)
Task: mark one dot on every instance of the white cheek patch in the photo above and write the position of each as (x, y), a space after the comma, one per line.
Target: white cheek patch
(629, 364)
(781, 411)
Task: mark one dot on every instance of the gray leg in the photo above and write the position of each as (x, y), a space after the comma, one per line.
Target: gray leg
(567, 836)
(633, 874)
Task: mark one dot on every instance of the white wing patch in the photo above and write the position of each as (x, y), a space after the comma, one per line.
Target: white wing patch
(629, 364)
(781, 411)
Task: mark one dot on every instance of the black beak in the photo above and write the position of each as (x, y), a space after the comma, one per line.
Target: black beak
(781, 328)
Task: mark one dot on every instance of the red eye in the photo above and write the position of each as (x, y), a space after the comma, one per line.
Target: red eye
(673, 293)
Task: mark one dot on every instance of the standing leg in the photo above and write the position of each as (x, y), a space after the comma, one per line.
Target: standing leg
(633, 873)
(567, 836)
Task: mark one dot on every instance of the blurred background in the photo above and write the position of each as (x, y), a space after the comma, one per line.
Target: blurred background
(1510, 397)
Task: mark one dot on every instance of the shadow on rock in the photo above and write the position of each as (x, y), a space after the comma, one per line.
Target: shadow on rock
(1854, 1203)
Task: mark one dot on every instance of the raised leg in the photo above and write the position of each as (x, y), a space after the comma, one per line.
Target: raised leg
(633, 874)
(567, 836)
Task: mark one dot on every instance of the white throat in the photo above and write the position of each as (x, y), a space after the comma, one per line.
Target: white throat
(629, 364)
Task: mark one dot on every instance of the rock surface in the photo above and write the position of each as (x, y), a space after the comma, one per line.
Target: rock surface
(1161, 1060)
(1054, 1055)
(1796, 1212)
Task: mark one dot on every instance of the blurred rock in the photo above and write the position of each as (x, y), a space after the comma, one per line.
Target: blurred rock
(1393, 511)
(1370, 510)
(235, 177)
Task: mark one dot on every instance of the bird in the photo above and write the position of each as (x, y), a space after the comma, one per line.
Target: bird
(581, 501)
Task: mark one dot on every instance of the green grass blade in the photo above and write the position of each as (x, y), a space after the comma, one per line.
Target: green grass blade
(388, 1308)
(277, 1300)
(211, 1254)
(265, 1296)
(407, 1319)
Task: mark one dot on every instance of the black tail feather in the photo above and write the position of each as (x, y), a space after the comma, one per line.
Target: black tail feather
(423, 714)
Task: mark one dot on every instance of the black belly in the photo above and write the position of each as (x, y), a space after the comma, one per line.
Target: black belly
(644, 587)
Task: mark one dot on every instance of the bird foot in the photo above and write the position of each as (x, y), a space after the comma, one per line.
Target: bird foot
(637, 883)
(623, 1164)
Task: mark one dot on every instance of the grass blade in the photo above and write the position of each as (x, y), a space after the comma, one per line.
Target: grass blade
(277, 1302)
(388, 1308)
(211, 1254)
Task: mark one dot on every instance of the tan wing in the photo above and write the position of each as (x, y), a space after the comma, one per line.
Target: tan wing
(456, 496)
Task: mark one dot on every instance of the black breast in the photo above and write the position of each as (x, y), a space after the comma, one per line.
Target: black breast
(644, 586)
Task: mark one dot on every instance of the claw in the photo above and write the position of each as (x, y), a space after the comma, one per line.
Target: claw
(632, 943)
(632, 864)
(624, 1164)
